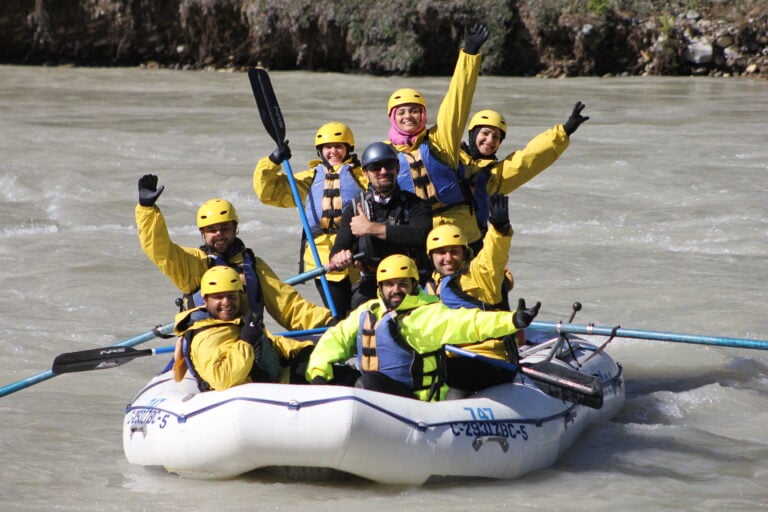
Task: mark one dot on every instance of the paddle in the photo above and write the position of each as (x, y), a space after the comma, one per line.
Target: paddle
(649, 335)
(561, 382)
(40, 377)
(112, 357)
(272, 119)
(101, 358)
(160, 331)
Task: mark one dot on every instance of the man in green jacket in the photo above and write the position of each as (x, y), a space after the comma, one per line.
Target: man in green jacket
(399, 337)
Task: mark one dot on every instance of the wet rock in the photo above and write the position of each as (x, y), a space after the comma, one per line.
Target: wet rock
(699, 52)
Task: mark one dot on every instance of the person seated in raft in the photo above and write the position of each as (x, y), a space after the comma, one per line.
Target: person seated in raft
(330, 183)
(217, 222)
(222, 345)
(384, 220)
(482, 282)
(398, 338)
(429, 158)
(487, 175)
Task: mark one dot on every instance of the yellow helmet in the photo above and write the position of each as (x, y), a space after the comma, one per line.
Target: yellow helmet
(445, 235)
(220, 279)
(395, 267)
(489, 118)
(335, 132)
(403, 96)
(215, 211)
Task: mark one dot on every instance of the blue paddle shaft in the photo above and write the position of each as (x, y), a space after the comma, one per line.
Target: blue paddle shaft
(130, 342)
(42, 376)
(696, 339)
(308, 235)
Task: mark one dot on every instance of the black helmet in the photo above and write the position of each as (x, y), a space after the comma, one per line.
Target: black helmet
(378, 152)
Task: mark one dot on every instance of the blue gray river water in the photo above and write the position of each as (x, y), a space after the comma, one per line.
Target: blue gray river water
(654, 218)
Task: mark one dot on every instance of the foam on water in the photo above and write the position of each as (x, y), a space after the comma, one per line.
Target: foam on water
(654, 218)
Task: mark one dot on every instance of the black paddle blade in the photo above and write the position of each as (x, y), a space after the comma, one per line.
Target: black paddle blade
(269, 108)
(567, 384)
(95, 359)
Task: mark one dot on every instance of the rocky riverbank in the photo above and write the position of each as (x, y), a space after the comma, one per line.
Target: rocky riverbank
(528, 38)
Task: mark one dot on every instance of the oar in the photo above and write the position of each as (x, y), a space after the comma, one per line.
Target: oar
(272, 119)
(306, 276)
(101, 358)
(112, 357)
(649, 335)
(42, 376)
(571, 385)
(130, 342)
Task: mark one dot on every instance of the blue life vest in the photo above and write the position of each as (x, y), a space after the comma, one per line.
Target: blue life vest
(431, 179)
(248, 271)
(329, 193)
(452, 295)
(381, 347)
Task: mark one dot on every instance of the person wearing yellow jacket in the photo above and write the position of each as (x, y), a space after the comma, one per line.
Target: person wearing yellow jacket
(486, 175)
(399, 337)
(218, 224)
(325, 189)
(223, 346)
(429, 158)
(482, 282)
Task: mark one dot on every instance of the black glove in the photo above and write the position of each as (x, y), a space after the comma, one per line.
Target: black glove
(318, 380)
(474, 38)
(523, 317)
(148, 191)
(498, 215)
(252, 331)
(576, 118)
(281, 154)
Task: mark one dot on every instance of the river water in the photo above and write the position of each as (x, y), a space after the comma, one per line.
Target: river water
(655, 218)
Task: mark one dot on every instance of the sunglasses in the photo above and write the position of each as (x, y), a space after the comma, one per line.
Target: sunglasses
(389, 166)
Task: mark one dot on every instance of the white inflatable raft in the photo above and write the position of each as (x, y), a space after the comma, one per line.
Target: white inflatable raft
(502, 432)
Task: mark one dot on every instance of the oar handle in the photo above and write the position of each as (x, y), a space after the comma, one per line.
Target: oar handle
(306, 276)
(582, 388)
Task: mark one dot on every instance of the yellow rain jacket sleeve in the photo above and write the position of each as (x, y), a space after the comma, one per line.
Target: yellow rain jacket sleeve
(337, 344)
(286, 348)
(220, 358)
(273, 188)
(519, 167)
(485, 275)
(184, 266)
(445, 136)
(484, 280)
(284, 303)
(434, 324)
